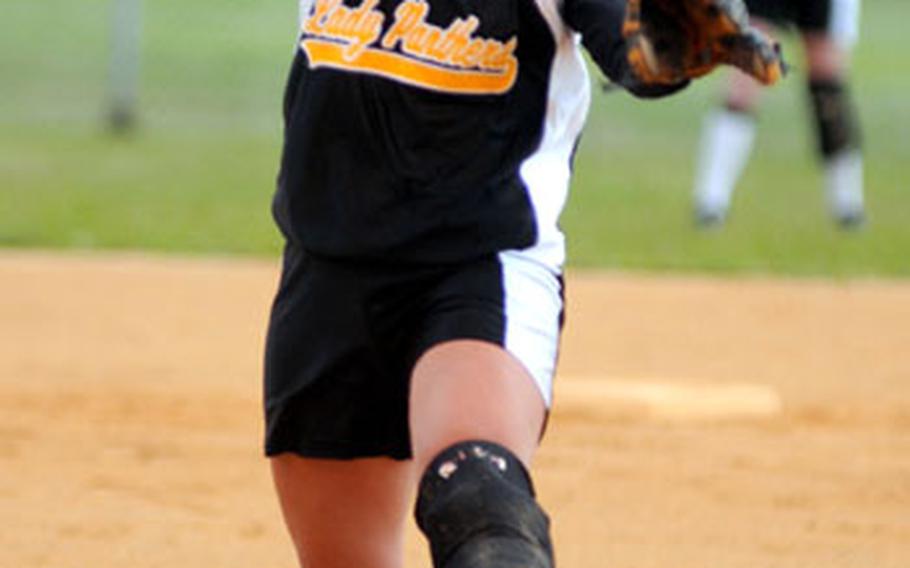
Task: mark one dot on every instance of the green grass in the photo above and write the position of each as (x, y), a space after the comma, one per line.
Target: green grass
(198, 174)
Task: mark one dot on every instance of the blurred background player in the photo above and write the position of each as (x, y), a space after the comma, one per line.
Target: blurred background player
(828, 29)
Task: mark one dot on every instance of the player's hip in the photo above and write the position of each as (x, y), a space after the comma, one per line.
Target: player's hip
(344, 336)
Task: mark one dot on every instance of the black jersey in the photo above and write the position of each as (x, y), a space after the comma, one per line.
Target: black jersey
(438, 130)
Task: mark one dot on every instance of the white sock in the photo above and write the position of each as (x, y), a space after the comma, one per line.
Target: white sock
(726, 143)
(844, 183)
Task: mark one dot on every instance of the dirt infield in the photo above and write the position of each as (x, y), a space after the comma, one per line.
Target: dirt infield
(698, 423)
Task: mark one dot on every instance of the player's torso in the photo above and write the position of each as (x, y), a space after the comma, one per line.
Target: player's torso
(407, 122)
(459, 47)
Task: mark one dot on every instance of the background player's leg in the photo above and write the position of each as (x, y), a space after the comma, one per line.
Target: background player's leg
(726, 142)
(345, 513)
(836, 126)
(476, 503)
(727, 137)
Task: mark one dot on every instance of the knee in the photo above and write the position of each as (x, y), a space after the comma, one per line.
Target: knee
(477, 508)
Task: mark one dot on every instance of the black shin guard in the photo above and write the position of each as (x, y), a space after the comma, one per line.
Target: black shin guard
(836, 124)
(476, 506)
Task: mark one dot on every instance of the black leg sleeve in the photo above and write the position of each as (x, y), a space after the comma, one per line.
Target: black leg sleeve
(476, 507)
(836, 124)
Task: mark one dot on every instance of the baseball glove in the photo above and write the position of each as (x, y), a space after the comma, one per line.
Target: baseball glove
(670, 41)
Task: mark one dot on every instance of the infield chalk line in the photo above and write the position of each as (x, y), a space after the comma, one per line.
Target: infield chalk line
(667, 400)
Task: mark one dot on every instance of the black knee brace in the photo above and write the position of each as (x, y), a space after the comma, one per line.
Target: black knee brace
(476, 506)
(836, 124)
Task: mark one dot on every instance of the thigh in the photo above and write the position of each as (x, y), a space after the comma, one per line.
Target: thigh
(826, 58)
(473, 390)
(488, 357)
(343, 513)
(329, 390)
(830, 29)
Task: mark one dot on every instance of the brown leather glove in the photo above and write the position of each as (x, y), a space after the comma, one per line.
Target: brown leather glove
(670, 41)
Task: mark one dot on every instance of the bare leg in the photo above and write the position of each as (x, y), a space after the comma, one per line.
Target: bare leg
(743, 92)
(345, 513)
(466, 390)
(825, 57)
(837, 127)
(726, 143)
(351, 513)
(476, 417)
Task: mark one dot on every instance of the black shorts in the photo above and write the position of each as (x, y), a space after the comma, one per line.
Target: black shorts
(344, 336)
(806, 15)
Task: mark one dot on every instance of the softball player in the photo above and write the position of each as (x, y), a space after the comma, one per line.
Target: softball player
(828, 30)
(413, 338)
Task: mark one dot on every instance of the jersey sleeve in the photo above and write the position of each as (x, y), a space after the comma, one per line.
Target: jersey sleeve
(600, 24)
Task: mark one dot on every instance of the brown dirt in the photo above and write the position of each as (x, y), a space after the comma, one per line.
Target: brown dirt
(130, 424)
